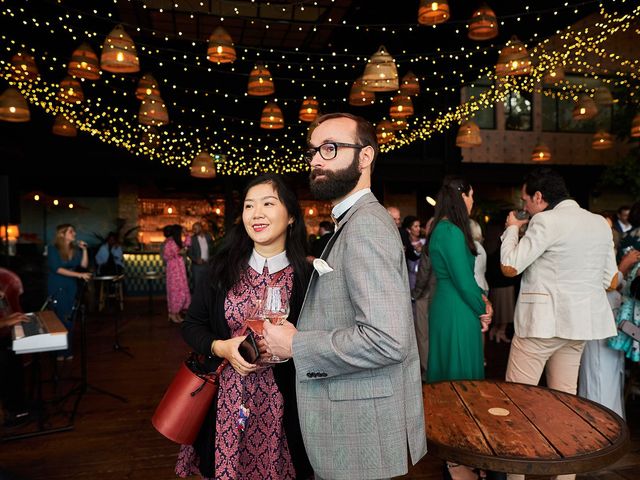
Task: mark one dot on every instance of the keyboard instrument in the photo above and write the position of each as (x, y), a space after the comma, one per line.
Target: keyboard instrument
(42, 333)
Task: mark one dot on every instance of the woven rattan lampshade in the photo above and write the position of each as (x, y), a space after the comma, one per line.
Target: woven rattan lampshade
(24, 67)
(401, 106)
(63, 127)
(119, 53)
(221, 49)
(541, 153)
(260, 82)
(147, 85)
(308, 109)
(513, 59)
(554, 75)
(585, 108)
(358, 97)
(84, 63)
(203, 166)
(635, 126)
(150, 138)
(153, 111)
(271, 118)
(483, 24)
(410, 84)
(13, 106)
(602, 96)
(468, 135)
(380, 74)
(433, 13)
(70, 91)
(399, 124)
(602, 140)
(384, 132)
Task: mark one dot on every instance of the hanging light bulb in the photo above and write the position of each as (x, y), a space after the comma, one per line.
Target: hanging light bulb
(401, 106)
(63, 127)
(221, 49)
(153, 111)
(541, 153)
(483, 24)
(513, 59)
(410, 84)
(271, 118)
(380, 74)
(119, 53)
(24, 67)
(384, 132)
(602, 140)
(468, 135)
(433, 13)
(203, 166)
(84, 63)
(585, 108)
(147, 85)
(260, 82)
(70, 91)
(308, 110)
(358, 97)
(13, 106)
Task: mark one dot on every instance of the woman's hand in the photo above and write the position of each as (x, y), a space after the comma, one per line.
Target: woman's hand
(229, 349)
(13, 319)
(86, 276)
(485, 321)
(82, 244)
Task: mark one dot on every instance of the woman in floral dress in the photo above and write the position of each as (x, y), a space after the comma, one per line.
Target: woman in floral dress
(252, 430)
(178, 296)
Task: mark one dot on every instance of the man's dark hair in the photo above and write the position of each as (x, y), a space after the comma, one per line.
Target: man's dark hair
(549, 183)
(408, 221)
(327, 225)
(365, 131)
(623, 208)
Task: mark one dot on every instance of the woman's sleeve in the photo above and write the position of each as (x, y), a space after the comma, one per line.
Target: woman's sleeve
(170, 251)
(455, 255)
(54, 262)
(196, 328)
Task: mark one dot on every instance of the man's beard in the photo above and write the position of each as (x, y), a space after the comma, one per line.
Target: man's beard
(335, 184)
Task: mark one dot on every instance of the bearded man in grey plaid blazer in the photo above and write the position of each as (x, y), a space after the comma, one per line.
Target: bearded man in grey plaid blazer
(357, 367)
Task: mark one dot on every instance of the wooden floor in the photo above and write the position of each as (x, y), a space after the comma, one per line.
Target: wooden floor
(114, 440)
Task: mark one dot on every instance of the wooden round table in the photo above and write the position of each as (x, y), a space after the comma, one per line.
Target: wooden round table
(517, 428)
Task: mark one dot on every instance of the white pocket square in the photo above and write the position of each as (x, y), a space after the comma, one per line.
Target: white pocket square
(321, 266)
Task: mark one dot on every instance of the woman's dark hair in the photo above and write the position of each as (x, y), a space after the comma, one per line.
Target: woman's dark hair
(176, 234)
(634, 215)
(230, 260)
(549, 183)
(167, 231)
(408, 221)
(450, 205)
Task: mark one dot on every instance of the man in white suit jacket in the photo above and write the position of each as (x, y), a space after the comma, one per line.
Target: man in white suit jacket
(357, 366)
(567, 262)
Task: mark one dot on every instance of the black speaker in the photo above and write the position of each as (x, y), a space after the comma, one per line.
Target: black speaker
(9, 201)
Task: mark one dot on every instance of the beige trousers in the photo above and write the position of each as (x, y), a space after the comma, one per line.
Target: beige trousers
(528, 358)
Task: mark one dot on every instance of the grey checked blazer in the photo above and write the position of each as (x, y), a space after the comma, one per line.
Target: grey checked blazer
(357, 367)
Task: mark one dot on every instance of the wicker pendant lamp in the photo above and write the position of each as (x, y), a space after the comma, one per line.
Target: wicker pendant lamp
(70, 91)
(147, 85)
(203, 166)
(260, 82)
(553, 75)
(119, 53)
(468, 135)
(271, 118)
(585, 108)
(358, 97)
(635, 126)
(399, 124)
(513, 59)
(221, 49)
(84, 63)
(410, 84)
(150, 138)
(63, 127)
(384, 132)
(308, 110)
(433, 13)
(401, 106)
(541, 153)
(13, 106)
(602, 140)
(24, 67)
(483, 24)
(602, 96)
(153, 111)
(380, 74)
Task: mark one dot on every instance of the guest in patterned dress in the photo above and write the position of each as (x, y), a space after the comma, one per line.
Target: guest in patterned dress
(178, 296)
(267, 248)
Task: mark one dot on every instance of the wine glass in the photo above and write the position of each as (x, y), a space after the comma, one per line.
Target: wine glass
(274, 309)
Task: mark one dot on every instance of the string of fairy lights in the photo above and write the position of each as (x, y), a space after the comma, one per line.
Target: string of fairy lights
(250, 153)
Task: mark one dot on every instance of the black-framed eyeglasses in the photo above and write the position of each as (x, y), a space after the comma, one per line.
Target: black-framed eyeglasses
(329, 150)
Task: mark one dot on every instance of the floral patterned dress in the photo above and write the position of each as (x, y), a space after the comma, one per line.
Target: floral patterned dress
(260, 451)
(178, 296)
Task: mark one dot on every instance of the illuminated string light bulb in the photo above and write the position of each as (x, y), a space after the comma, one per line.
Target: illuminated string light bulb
(119, 53)
(36, 197)
(13, 106)
(56, 202)
(221, 49)
(468, 135)
(433, 13)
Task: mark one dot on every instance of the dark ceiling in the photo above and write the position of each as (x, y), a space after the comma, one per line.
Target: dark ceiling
(312, 47)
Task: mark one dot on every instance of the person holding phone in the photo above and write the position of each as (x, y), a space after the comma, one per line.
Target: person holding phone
(64, 260)
(252, 429)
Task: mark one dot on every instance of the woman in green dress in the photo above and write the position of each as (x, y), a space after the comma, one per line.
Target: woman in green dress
(459, 311)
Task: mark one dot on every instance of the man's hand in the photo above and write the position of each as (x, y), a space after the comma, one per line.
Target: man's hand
(628, 261)
(512, 220)
(280, 338)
